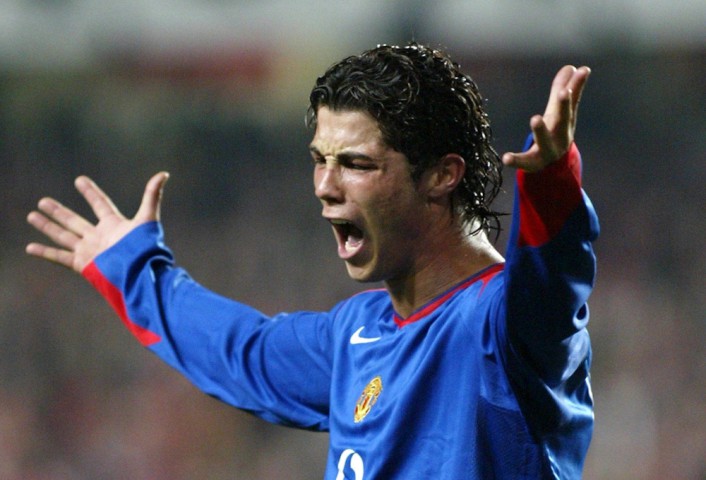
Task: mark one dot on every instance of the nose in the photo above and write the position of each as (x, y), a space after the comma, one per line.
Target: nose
(327, 183)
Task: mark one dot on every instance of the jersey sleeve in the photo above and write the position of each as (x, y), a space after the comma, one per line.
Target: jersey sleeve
(550, 266)
(227, 349)
(549, 274)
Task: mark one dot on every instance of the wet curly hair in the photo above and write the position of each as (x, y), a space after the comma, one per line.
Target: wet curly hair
(425, 108)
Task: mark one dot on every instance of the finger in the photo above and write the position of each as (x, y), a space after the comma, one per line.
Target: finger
(554, 141)
(577, 82)
(64, 216)
(561, 82)
(563, 78)
(540, 154)
(56, 255)
(511, 159)
(529, 160)
(55, 232)
(100, 203)
(542, 137)
(152, 198)
(576, 86)
(565, 119)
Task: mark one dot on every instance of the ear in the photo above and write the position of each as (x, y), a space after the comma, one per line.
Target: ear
(443, 178)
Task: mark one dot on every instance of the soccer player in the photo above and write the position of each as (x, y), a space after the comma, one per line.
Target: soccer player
(466, 365)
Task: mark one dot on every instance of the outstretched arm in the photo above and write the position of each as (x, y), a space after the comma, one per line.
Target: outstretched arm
(549, 274)
(553, 131)
(78, 241)
(227, 349)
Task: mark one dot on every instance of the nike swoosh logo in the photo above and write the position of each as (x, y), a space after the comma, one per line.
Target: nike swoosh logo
(356, 339)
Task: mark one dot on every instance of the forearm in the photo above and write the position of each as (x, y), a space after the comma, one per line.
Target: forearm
(220, 345)
(550, 261)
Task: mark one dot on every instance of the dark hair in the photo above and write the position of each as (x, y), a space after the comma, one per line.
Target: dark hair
(425, 108)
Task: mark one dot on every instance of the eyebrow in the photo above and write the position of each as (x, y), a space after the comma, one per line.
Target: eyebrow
(344, 156)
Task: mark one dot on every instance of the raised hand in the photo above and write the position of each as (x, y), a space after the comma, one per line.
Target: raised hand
(553, 131)
(78, 241)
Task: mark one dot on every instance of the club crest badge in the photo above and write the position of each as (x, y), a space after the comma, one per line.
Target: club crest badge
(367, 399)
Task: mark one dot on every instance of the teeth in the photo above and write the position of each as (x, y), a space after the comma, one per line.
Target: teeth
(351, 245)
(351, 236)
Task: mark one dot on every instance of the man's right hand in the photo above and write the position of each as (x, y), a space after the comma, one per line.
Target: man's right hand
(77, 240)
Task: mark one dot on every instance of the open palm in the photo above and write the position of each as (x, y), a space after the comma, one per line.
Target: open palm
(554, 130)
(76, 240)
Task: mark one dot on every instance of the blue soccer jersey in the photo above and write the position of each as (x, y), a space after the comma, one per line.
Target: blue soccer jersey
(488, 380)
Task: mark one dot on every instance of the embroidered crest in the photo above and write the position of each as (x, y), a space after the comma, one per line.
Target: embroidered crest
(367, 399)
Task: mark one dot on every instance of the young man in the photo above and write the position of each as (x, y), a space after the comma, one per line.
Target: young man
(465, 365)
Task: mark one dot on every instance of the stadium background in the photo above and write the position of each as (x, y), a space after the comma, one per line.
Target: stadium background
(215, 92)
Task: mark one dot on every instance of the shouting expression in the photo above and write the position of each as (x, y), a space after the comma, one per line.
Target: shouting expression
(376, 210)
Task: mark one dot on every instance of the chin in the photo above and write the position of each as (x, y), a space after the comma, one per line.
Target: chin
(361, 274)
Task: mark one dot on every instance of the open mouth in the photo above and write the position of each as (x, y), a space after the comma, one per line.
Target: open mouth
(349, 236)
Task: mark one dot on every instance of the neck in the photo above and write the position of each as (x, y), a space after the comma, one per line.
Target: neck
(446, 264)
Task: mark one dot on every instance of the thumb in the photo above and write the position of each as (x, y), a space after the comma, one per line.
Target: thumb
(152, 198)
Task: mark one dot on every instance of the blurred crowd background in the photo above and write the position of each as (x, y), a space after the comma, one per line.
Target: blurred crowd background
(215, 92)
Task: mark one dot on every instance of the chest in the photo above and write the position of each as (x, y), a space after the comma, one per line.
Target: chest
(384, 373)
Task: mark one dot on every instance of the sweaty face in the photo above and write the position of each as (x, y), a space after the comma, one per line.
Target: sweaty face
(368, 196)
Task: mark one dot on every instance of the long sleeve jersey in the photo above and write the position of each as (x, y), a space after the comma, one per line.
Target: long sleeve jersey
(489, 380)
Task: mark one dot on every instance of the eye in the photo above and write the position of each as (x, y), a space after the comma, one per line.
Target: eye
(318, 159)
(361, 166)
(359, 163)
